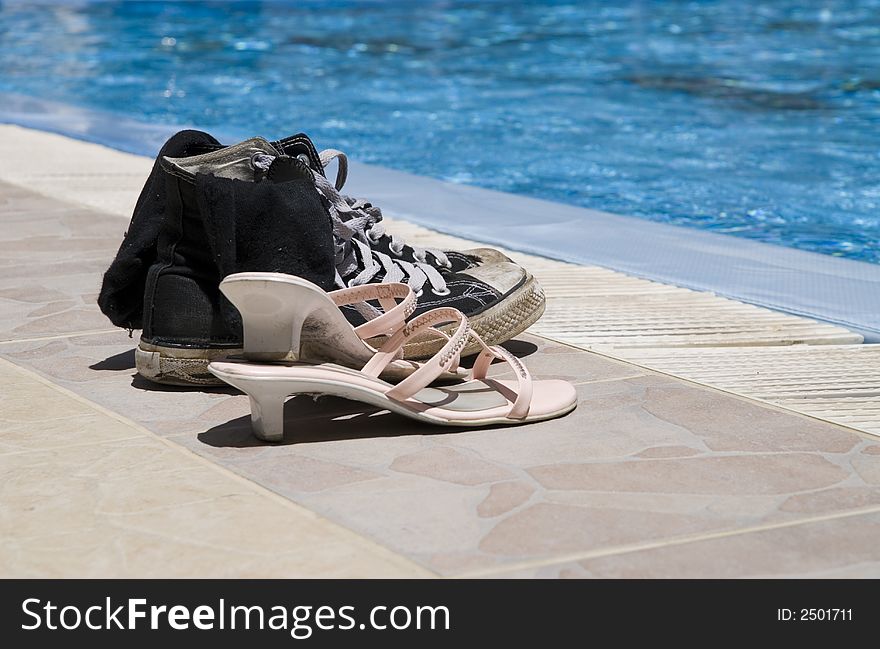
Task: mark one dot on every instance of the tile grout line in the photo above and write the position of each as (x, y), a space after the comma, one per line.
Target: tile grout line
(656, 545)
(587, 382)
(87, 332)
(609, 380)
(348, 534)
(63, 447)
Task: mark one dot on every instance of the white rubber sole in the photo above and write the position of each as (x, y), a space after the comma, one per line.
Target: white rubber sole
(178, 365)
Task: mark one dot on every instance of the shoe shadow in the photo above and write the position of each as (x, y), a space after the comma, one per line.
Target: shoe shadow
(519, 348)
(306, 419)
(124, 361)
(326, 419)
(140, 383)
(117, 362)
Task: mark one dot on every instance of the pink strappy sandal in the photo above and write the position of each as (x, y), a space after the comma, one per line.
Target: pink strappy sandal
(479, 401)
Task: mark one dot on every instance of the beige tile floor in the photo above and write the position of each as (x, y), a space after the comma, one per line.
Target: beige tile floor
(107, 475)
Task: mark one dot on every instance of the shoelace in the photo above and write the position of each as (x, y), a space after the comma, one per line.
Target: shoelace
(370, 224)
(353, 251)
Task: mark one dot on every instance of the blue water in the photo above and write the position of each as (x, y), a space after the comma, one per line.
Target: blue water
(757, 119)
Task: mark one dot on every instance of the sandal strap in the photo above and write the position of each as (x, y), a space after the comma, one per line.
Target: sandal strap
(429, 370)
(520, 407)
(395, 313)
(447, 357)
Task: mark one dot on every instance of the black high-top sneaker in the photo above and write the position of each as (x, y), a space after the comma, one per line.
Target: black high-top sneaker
(219, 210)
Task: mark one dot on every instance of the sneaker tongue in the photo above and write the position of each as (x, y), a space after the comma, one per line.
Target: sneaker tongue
(284, 168)
(300, 146)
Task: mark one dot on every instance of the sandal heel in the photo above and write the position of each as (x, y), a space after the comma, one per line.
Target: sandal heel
(267, 404)
(273, 314)
(267, 417)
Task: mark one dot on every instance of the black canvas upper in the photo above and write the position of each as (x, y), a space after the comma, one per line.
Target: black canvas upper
(122, 292)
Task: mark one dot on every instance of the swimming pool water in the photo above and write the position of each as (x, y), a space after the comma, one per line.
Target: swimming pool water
(756, 119)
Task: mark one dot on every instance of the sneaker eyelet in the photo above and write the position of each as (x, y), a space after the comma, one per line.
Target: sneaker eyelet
(254, 165)
(420, 292)
(442, 292)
